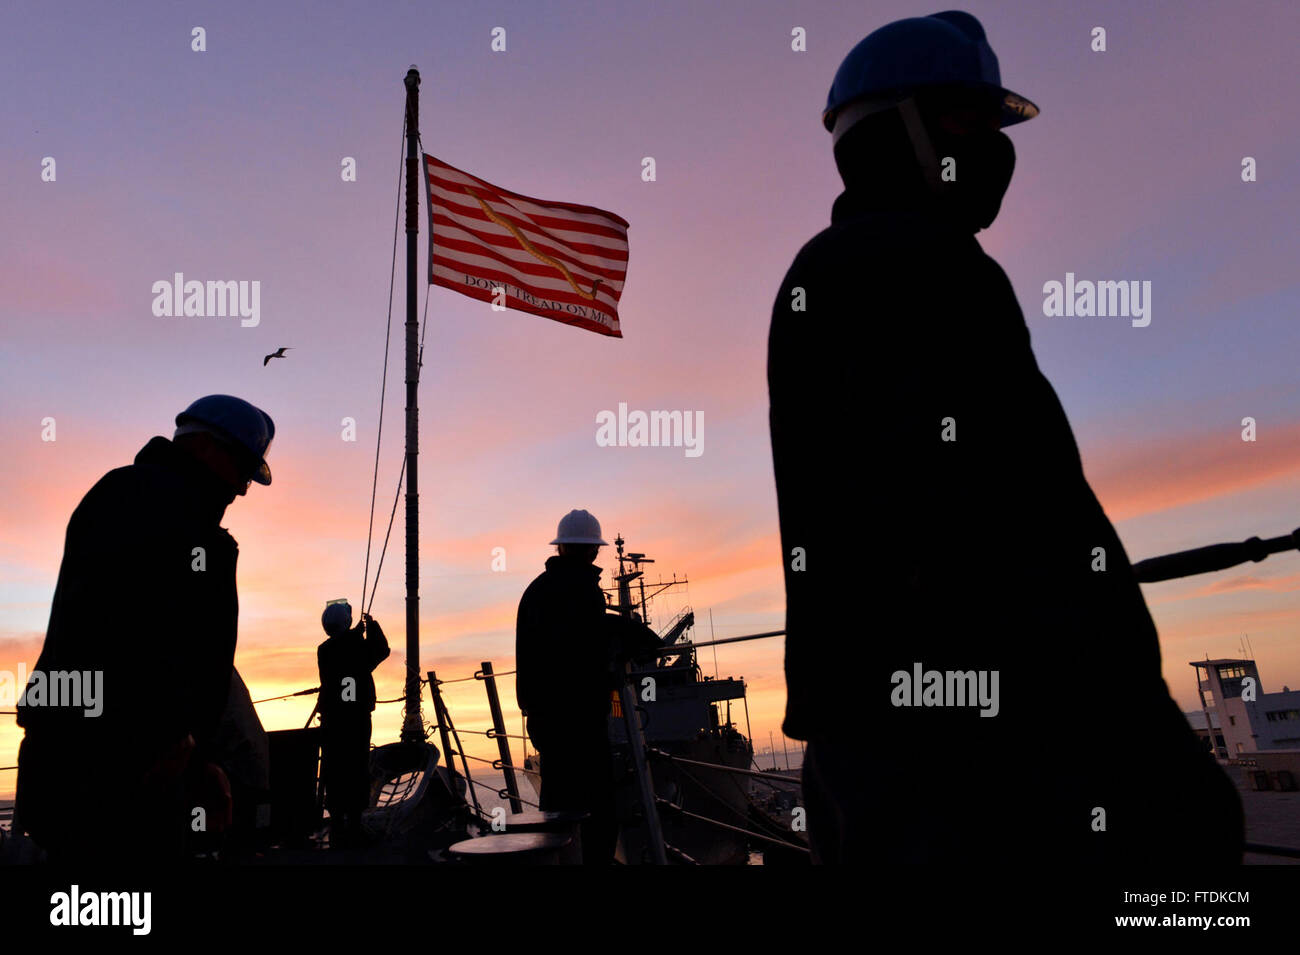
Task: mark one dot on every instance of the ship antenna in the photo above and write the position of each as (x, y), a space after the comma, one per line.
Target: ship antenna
(714, 641)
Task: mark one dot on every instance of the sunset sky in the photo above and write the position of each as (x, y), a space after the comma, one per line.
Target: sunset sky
(225, 164)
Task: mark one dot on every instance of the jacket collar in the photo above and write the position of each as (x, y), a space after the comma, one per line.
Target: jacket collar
(901, 206)
(572, 565)
(854, 204)
(209, 494)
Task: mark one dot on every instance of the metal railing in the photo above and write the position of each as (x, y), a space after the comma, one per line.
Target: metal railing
(651, 802)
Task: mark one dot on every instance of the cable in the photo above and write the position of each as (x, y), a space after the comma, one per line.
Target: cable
(383, 388)
(272, 699)
(402, 475)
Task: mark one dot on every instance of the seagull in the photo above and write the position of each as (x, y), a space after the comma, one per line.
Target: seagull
(278, 353)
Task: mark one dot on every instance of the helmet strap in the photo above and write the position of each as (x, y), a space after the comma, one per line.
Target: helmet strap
(921, 144)
(859, 109)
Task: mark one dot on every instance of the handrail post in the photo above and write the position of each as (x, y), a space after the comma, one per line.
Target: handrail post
(436, 693)
(445, 728)
(645, 785)
(499, 727)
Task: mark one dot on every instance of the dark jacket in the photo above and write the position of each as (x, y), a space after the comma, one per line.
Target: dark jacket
(567, 649)
(132, 602)
(355, 654)
(973, 554)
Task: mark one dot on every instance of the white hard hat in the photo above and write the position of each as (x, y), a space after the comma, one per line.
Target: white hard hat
(578, 527)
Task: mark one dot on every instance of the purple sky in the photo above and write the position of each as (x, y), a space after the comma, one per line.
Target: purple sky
(225, 165)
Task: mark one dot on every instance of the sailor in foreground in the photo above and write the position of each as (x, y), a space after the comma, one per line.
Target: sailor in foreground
(347, 660)
(975, 542)
(569, 655)
(144, 617)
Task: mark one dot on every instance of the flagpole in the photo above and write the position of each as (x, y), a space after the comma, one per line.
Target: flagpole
(412, 725)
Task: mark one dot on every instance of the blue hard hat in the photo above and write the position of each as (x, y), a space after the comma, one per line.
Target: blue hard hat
(234, 419)
(943, 49)
(337, 617)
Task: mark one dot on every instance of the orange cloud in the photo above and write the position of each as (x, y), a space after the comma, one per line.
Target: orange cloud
(1158, 476)
(1275, 584)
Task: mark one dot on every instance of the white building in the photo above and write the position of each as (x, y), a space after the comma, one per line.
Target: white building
(1241, 716)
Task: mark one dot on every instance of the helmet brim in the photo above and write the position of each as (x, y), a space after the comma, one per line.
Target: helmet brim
(1014, 108)
(261, 470)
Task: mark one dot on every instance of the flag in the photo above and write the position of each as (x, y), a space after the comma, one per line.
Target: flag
(558, 260)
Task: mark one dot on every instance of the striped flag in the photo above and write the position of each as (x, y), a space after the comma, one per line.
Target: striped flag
(554, 259)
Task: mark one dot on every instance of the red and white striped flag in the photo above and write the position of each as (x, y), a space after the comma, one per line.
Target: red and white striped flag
(554, 259)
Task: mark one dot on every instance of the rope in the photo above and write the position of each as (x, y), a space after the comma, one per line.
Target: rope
(723, 825)
(424, 328)
(731, 809)
(502, 794)
(476, 807)
(766, 777)
(689, 860)
(316, 689)
(272, 699)
(383, 388)
(478, 675)
(493, 734)
(402, 475)
(498, 764)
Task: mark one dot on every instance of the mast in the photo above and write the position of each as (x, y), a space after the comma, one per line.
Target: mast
(623, 579)
(412, 724)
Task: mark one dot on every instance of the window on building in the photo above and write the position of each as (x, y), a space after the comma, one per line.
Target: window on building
(1232, 721)
(1229, 673)
(1240, 747)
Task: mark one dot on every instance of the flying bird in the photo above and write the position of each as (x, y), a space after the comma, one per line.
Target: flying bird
(278, 353)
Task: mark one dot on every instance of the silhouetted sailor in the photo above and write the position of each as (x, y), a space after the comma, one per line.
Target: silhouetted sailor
(927, 474)
(146, 600)
(347, 660)
(568, 658)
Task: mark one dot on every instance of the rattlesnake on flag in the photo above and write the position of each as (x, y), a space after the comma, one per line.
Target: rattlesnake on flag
(532, 249)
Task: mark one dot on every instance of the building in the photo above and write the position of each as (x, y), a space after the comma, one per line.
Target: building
(1241, 716)
(1198, 720)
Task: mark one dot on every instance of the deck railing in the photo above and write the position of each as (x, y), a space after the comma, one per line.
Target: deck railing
(651, 803)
